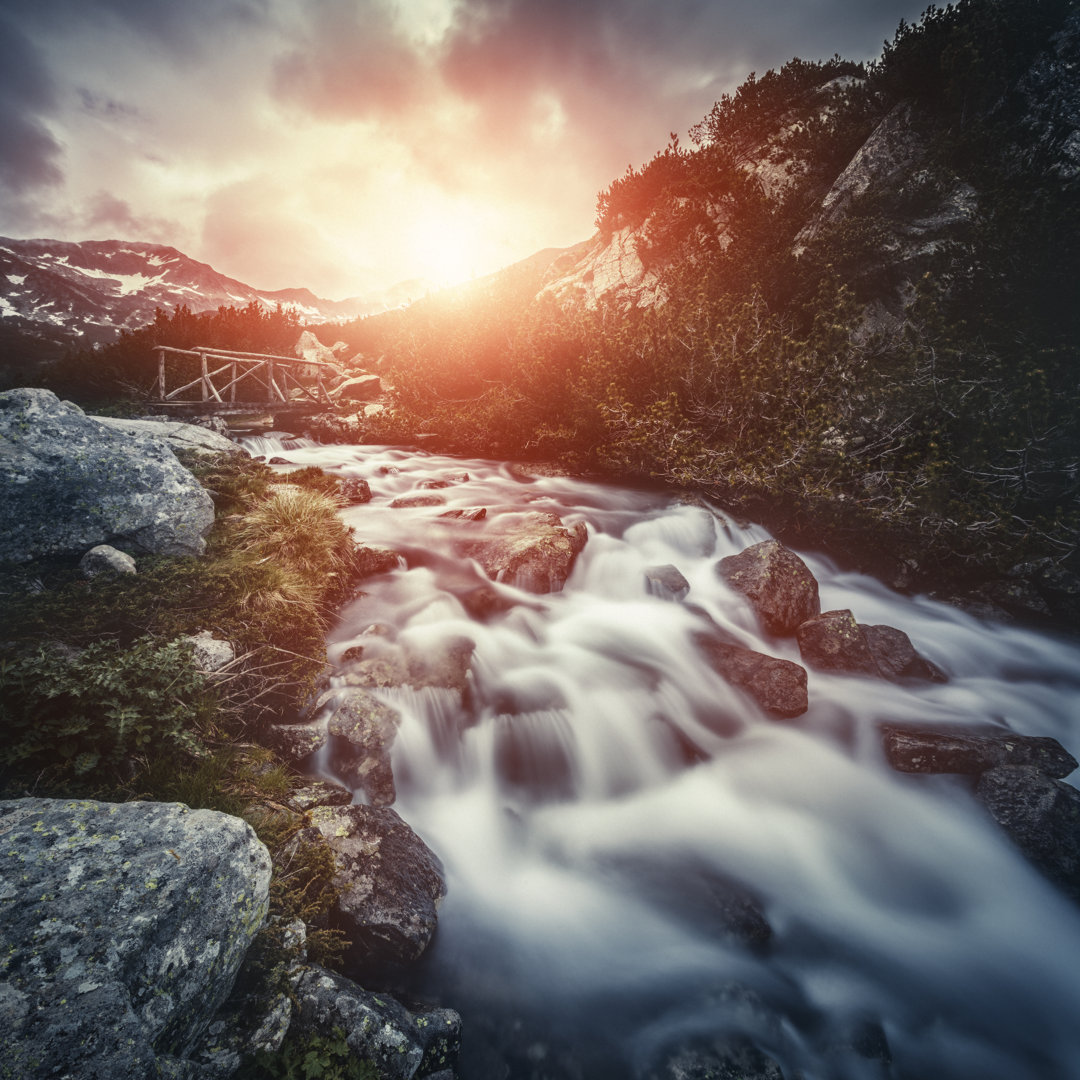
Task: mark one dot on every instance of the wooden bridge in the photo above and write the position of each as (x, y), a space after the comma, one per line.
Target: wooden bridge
(265, 380)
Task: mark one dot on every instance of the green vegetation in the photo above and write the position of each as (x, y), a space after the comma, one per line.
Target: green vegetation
(314, 1057)
(885, 392)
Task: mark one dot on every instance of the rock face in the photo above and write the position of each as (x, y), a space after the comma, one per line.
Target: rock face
(922, 751)
(389, 884)
(67, 483)
(125, 925)
(1041, 815)
(778, 584)
(778, 686)
(398, 1043)
(371, 728)
(533, 551)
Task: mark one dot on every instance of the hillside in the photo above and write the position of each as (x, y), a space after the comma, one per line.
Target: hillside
(848, 306)
(56, 295)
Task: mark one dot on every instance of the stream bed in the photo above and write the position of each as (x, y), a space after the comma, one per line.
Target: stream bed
(598, 794)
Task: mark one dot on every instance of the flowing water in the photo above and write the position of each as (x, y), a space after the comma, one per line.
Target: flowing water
(598, 780)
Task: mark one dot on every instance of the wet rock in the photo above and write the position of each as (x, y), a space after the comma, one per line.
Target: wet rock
(924, 751)
(896, 657)
(398, 1043)
(778, 686)
(667, 582)
(389, 884)
(834, 641)
(404, 502)
(371, 728)
(354, 490)
(778, 584)
(318, 793)
(295, 742)
(444, 481)
(124, 927)
(369, 561)
(533, 551)
(68, 482)
(445, 662)
(210, 653)
(105, 559)
(471, 513)
(1042, 817)
(486, 601)
(532, 754)
(279, 461)
(731, 1058)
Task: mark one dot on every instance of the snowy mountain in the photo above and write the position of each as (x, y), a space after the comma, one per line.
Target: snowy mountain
(54, 295)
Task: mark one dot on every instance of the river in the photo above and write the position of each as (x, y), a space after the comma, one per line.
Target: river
(599, 780)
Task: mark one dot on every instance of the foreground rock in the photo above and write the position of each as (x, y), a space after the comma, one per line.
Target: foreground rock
(179, 436)
(389, 884)
(778, 686)
(399, 1044)
(834, 641)
(924, 751)
(534, 551)
(124, 927)
(68, 483)
(778, 584)
(1041, 815)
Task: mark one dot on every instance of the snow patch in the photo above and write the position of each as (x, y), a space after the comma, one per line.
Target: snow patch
(16, 279)
(126, 283)
(6, 308)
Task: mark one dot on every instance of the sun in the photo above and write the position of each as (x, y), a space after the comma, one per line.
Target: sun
(448, 244)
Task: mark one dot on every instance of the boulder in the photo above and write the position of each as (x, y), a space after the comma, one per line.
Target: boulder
(468, 513)
(533, 551)
(354, 490)
(834, 641)
(105, 559)
(667, 582)
(919, 750)
(444, 481)
(1041, 815)
(778, 686)
(68, 482)
(389, 884)
(309, 347)
(778, 584)
(358, 388)
(896, 657)
(295, 742)
(371, 728)
(398, 1044)
(318, 793)
(124, 927)
(368, 561)
(179, 436)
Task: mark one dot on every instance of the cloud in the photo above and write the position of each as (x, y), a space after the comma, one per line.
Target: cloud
(29, 155)
(105, 212)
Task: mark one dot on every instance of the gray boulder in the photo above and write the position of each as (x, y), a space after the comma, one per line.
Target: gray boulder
(389, 884)
(533, 551)
(294, 742)
(778, 584)
(918, 750)
(125, 925)
(68, 482)
(179, 436)
(778, 686)
(370, 727)
(834, 641)
(399, 1044)
(318, 793)
(105, 559)
(1041, 815)
(210, 653)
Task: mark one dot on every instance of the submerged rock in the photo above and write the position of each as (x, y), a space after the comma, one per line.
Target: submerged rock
(924, 751)
(68, 482)
(667, 582)
(1041, 815)
(778, 686)
(896, 657)
(405, 502)
(533, 551)
(778, 584)
(389, 884)
(124, 927)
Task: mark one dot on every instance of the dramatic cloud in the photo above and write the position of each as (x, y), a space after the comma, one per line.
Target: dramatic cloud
(346, 144)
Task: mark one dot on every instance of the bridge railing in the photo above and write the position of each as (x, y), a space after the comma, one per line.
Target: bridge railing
(223, 370)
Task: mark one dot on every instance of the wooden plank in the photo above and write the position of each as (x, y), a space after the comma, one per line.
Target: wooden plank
(291, 360)
(161, 374)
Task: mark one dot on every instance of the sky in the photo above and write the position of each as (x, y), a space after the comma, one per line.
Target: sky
(346, 145)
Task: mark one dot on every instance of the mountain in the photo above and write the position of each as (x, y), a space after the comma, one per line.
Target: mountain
(54, 294)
